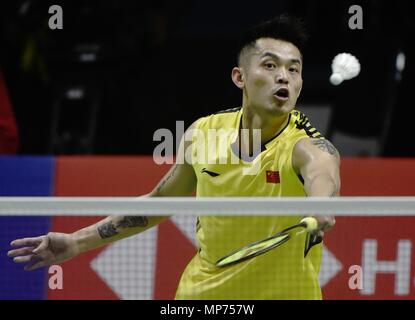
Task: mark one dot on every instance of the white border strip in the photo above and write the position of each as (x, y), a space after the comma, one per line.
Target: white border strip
(93, 206)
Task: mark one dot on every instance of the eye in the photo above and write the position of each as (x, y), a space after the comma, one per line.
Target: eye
(270, 65)
(293, 70)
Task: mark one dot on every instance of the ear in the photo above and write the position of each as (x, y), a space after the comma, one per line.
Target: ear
(238, 77)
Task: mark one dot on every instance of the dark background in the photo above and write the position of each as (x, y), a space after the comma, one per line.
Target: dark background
(120, 70)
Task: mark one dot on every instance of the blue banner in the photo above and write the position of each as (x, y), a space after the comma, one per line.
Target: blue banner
(23, 176)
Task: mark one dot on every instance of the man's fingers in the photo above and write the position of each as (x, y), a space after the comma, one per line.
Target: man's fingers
(325, 223)
(20, 252)
(43, 245)
(35, 265)
(329, 223)
(24, 259)
(34, 242)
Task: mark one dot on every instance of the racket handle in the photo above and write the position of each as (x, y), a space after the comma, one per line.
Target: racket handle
(310, 223)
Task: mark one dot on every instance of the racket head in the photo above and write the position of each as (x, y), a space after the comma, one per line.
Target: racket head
(259, 247)
(253, 250)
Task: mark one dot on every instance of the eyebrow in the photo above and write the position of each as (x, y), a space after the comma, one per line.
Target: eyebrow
(277, 57)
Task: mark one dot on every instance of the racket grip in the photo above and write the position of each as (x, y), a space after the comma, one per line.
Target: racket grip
(310, 223)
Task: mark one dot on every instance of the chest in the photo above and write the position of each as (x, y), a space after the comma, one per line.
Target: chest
(264, 175)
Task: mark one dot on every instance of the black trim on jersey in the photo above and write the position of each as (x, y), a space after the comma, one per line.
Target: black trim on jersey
(229, 110)
(304, 124)
(238, 152)
(281, 131)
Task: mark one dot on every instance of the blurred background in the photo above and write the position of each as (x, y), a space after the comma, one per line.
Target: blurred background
(120, 70)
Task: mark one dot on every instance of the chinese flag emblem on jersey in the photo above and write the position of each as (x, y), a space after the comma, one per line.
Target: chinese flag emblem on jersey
(273, 176)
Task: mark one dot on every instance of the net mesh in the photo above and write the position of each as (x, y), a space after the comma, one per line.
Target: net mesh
(365, 256)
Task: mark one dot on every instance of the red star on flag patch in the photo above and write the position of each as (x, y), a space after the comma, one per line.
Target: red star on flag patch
(273, 176)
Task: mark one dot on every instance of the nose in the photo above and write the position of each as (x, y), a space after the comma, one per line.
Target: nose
(282, 76)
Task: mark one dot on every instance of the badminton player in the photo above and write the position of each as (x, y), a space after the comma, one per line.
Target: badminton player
(294, 160)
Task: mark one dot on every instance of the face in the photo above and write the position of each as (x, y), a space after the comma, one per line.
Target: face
(270, 77)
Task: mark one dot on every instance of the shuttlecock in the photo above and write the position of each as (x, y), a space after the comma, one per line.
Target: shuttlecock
(345, 66)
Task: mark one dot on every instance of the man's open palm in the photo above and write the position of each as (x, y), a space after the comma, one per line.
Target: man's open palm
(53, 248)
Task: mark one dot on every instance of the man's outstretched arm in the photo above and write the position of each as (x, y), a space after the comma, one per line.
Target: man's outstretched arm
(180, 180)
(318, 162)
(55, 248)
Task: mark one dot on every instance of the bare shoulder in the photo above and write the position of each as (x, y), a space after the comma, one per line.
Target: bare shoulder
(323, 146)
(308, 149)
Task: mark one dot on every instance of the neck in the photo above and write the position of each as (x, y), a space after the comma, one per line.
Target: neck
(270, 126)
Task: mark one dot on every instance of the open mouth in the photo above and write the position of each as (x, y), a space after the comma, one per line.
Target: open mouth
(282, 93)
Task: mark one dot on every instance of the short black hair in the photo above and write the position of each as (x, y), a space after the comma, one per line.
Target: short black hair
(283, 27)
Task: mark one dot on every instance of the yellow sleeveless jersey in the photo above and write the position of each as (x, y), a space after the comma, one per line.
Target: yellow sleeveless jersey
(281, 273)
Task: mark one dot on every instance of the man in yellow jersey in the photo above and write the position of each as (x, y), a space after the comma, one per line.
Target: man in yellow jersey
(292, 159)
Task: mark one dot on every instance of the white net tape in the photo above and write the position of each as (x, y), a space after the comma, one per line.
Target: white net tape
(92, 206)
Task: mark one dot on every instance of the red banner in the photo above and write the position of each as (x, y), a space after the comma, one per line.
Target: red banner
(365, 257)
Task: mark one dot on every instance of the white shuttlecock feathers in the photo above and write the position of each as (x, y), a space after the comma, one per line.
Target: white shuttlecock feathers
(345, 66)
